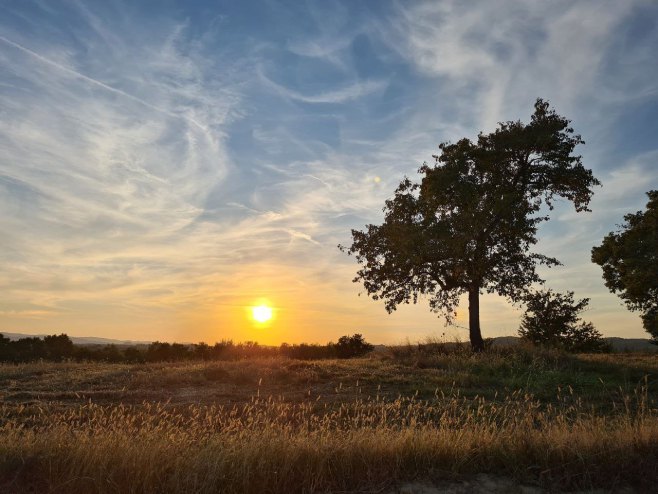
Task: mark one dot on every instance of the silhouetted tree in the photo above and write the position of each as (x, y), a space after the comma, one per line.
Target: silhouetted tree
(28, 349)
(352, 346)
(180, 351)
(109, 353)
(629, 258)
(305, 351)
(133, 355)
(202, 351)
(469, 224)
(222, 349)
(58, 347)
(5, 349)
(553, 319)
(158, 352)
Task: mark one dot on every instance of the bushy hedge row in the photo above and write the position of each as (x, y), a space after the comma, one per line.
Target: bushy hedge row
(60, 347)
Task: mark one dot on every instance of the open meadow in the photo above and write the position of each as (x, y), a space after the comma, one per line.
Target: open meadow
(538, 419)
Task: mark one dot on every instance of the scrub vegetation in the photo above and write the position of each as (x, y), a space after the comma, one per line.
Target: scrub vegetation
(424, 413)
(58, 348)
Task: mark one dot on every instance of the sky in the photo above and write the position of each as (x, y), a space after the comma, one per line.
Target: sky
(166, 165)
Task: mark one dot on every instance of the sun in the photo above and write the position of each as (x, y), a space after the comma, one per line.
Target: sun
(261, 313)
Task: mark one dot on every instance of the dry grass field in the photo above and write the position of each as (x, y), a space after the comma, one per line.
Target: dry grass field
(540, 420)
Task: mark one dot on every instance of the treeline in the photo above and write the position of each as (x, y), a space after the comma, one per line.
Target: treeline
(58, 348)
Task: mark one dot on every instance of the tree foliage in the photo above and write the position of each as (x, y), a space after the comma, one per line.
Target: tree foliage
(553, 319)
(469, 224)
(53, 347)
(352, 346)
(629, 258)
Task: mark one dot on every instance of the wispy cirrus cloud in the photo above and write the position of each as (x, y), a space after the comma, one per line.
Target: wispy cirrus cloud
(106, 170)
(102, 85)
(343, 95)
(506, 54)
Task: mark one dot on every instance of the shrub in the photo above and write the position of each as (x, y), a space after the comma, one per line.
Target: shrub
(352, 346)
(553, 319)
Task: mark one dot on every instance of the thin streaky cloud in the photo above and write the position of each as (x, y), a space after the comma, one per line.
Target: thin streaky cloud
(102, 84)
(343, 95)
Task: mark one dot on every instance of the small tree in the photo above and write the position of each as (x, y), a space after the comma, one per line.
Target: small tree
(553, 319)
(629, 258)
(352, 346)
(158, 352)
(469, 225)
(202, 351)
(6, 350)
(58, 347)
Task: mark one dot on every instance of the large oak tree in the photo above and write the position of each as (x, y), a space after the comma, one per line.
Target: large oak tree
(469, 224)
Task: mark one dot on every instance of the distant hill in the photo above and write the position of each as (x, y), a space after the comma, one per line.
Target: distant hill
(505, 341)
(632, 344)
(618, 344)
(78, 340)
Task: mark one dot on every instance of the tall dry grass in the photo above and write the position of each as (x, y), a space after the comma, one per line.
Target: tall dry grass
(369, 444)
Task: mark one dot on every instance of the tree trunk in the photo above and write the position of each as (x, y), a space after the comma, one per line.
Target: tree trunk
(477, 343)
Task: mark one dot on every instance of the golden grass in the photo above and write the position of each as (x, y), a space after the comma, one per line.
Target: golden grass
(274, 446)
(358, 436)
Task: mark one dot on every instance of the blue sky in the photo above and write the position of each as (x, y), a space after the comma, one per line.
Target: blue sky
(164, 165)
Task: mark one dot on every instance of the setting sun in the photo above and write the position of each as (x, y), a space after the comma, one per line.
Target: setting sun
(261, 313)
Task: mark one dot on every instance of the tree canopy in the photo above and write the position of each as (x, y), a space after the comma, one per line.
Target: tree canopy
(469, 224)
(629, 258)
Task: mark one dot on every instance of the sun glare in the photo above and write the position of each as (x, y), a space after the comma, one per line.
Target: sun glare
(261, 313)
